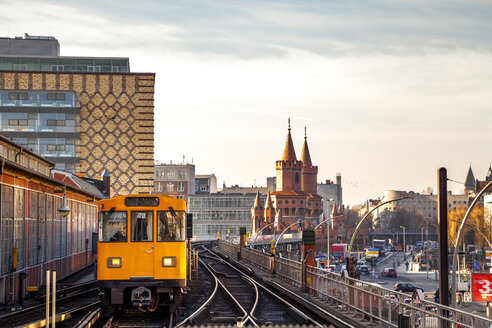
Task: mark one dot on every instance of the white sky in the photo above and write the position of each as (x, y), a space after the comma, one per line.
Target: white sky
(389, 90)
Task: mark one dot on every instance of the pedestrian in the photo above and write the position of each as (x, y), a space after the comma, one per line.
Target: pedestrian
(406, 264)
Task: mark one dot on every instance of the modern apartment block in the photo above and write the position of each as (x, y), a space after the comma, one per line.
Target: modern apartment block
(177, 180)
(331, 192)
(424, 204)
(85, 114)
(205, 184)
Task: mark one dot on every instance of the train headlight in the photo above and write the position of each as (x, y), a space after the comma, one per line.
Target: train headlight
(114, 262)
(169, 261)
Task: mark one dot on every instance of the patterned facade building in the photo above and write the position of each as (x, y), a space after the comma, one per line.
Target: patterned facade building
(295, 198)
(86, 115)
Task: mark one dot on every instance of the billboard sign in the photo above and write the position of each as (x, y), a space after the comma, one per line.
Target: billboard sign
(372, 252)
(482, 287)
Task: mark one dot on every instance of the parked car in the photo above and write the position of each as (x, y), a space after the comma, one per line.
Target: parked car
(394, 249)
(406, 287)
(362, 269)
(388, 272)
(331, 268)
(361, 262)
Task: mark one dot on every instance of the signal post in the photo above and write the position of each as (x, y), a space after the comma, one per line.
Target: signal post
(242, 241)
(307, 252)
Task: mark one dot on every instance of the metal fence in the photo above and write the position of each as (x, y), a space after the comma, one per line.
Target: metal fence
(377, 305)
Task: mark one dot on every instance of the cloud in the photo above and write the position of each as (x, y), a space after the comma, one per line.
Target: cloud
(389, 90)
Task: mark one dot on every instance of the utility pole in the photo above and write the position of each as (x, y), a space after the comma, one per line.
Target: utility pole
(442, 218)
(427, 247)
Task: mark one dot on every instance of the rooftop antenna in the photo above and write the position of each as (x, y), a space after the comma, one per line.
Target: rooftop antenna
(305, 133)
(289, 123)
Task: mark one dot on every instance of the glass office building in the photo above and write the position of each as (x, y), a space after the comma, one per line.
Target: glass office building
(220, 213)
(65, 64)
(47, 123)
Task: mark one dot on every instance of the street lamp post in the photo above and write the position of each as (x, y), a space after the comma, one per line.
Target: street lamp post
(404, 245)
(460, 232)
(327, 236)
(259, 232)
(365, 217)
(282, 233)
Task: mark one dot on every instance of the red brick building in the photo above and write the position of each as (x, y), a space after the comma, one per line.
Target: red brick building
(295, 197)
(31, 224)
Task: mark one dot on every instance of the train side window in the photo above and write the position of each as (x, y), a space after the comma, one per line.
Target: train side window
(142, 223)
(112, 226)
(171, 227)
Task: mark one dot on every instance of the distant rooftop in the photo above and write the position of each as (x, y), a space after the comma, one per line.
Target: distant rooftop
(42, 53)
(29, 45)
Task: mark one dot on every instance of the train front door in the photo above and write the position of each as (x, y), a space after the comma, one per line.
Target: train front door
(143, 241)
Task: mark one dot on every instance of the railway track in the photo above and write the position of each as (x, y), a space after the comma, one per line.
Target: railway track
(71, 303)
(238, 299)
(138, 319)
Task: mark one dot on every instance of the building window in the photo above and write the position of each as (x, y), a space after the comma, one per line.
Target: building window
(280, 202)
(181, 186)
(18, 95)
(297, 178)
(158, 187)
(171, 174)
(20, 67)
(293, 202)
(114, 69)
(170, 186)
(57, 68)
(181, 174)
(56, 96)
(18, 122)
(203, 188)
(93, 68)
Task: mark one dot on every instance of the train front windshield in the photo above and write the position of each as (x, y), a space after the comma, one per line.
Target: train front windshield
(113, 226)
(170, 226)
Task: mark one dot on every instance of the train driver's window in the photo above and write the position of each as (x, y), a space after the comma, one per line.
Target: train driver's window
(170, 227)
(142, 223)
(112, 226)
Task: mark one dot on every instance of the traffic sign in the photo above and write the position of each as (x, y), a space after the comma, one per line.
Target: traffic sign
(248, 235)
(482, 287)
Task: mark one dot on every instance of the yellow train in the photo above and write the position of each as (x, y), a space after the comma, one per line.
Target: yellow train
(141, 255)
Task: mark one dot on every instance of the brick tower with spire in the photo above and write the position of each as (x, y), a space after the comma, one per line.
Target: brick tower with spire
(295, 197)
(309, 180)
(289, 169)
(269, 215)
(257, 214)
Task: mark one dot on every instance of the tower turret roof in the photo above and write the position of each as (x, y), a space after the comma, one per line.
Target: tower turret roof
(268, 202)
(305, 156)
(258, 203)
(470, 179)
(289, 152)
(489, 173)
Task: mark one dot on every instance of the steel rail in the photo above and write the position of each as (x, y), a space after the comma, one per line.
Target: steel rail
(90, 318)
(42, 305)
(202, 307)
(61, 316)
(256, 284)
